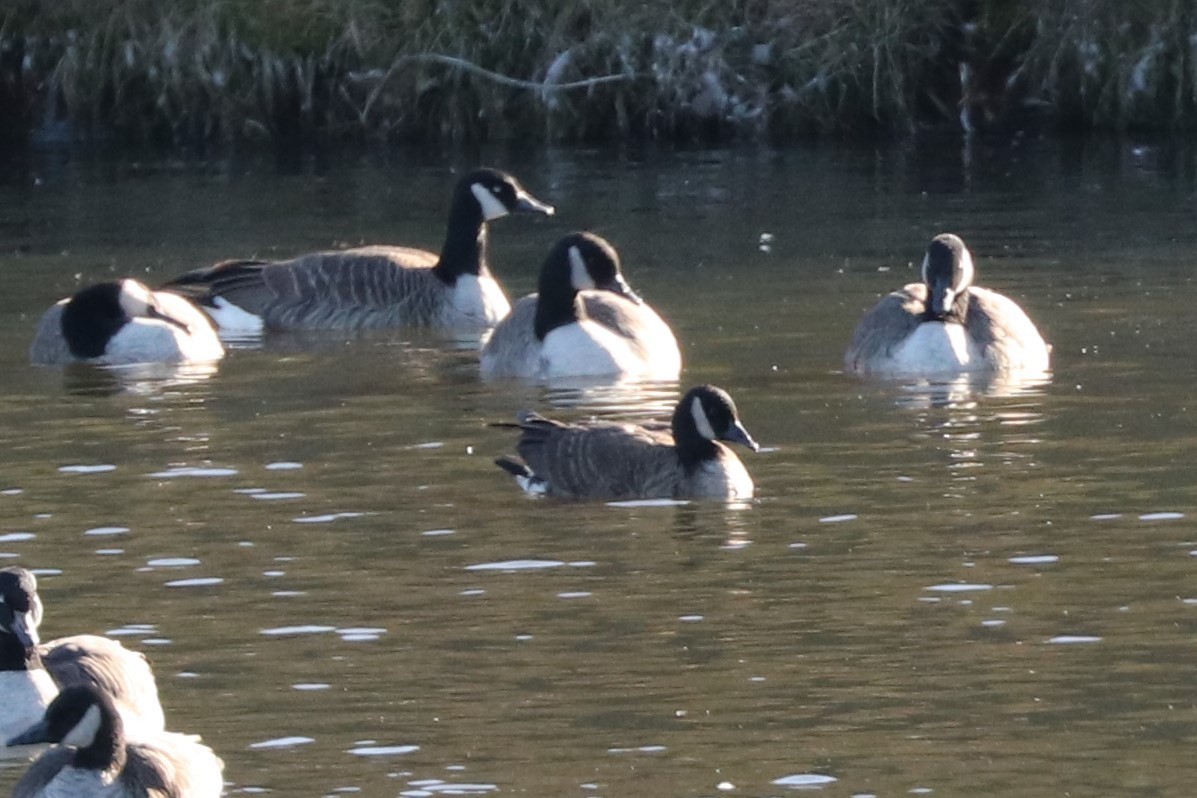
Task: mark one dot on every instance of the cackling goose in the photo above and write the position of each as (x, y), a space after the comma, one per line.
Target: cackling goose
(610, 461)
(570, 330)
(121, 322)
(374, 287)
(96, 760)
(946, 325)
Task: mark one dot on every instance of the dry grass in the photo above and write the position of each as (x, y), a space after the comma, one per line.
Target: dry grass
(190, 71)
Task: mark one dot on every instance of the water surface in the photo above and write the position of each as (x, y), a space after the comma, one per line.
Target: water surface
(963, 589)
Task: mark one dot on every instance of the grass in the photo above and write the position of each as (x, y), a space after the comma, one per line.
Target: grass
(177, 72)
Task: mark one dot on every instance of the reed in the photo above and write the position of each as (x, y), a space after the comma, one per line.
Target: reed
(199, 71)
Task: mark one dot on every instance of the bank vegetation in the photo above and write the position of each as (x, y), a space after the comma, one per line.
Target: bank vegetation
(187, 72)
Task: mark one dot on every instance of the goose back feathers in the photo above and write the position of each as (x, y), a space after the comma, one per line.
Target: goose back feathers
(612, 461)
(374, 287)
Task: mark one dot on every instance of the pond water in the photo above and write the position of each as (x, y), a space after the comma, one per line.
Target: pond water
(984, 590)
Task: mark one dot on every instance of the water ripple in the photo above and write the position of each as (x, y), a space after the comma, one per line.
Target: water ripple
(193, 471)
(805, 781)
(203, 581)
(107, 530)
(282, 742)
(962, 587)
(308, 629)
(515, 565)
(87, 469)
(383, 750)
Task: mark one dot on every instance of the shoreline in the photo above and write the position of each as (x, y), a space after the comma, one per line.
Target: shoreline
(284, 73)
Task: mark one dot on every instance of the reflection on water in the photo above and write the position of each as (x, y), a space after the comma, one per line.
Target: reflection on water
(980, 586)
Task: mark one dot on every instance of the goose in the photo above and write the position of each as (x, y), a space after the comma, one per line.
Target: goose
(378, 286)
(570, 330)
(97, 760)
(32, 672)
(119, 322)
(946, 325)
(611, 461)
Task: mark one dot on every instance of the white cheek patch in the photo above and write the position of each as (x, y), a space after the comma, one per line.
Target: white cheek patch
(967, 270)
(491, 207)
(701, 421)
(30, 623)
(84, 732)
(926, 263)
(579, 275)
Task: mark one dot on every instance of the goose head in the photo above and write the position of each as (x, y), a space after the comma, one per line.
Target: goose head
(20, 606)
(707, 414)
(497, 194)
(948, 272)
(84, 718)
(96, 313)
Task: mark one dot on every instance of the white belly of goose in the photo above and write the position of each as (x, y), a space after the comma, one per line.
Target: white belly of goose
(936, 348)
(587, 349)
(475, 301)
(25, 696)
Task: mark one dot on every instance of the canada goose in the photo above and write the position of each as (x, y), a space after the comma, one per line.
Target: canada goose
(374, 287)
(610, 461)
(96, 759)
(946, 325)
(32, 673)
(120, 322)
(569, 330)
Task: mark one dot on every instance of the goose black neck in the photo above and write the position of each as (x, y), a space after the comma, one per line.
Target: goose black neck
(557, 305)
(15, 657)
(957, 313)
(692, 448)
(107, 752)
(465, 248)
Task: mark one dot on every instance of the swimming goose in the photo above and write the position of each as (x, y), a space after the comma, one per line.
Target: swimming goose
(610, 461)
(946, 325)
(374, 287)
(569, 330)
(32, 673)
(96, 760)
(120, 322)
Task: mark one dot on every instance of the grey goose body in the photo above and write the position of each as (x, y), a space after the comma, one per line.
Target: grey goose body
(613, 461)
(95, 759)
(121, 322)
(33, 672)
(374, 287)
(945, 325)
(584, 321)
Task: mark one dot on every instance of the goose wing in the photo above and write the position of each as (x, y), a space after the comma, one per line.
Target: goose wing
(173, 766)
(49, 347)
(647, 333)
(600, 460)
(43, 770)
(885, 326)
(123, 674)
(355, 288)
(1005, 333)
(513, 350)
